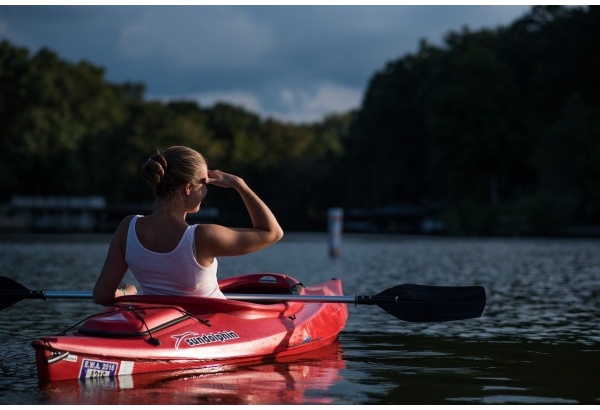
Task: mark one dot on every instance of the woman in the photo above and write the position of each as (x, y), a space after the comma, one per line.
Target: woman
(165, 254)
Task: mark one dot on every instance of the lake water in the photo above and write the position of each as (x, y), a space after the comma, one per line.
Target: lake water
(538, 341)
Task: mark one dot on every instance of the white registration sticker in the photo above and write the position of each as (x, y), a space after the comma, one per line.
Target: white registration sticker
(92, 369)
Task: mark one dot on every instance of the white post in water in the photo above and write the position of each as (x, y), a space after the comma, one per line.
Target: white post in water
(335, 217)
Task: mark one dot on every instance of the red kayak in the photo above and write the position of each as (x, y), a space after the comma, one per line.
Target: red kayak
(143, 334)
(288, 380)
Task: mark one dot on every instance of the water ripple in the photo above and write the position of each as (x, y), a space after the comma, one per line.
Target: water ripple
(537, 342)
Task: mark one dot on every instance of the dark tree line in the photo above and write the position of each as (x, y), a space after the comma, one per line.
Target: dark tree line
(495, 132)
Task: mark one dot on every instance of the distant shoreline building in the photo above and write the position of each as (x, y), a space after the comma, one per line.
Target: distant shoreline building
(402, 219)
(67, 214)
(54, 214)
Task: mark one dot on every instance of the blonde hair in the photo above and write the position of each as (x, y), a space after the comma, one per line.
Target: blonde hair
(168, 169)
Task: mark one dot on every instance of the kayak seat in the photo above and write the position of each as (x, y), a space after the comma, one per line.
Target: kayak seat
(261, 283)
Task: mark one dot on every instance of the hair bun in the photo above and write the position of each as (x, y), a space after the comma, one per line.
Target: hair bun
(160, 159)
(154, 169)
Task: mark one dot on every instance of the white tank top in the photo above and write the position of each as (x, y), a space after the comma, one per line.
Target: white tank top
(171, 273)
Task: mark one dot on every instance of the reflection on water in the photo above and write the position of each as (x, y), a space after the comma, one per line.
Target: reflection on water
(434, 370)
(538, 341)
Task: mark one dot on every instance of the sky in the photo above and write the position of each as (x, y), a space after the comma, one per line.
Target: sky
(293, 63)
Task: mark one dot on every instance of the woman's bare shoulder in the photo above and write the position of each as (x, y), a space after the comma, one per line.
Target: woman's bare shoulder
(126, 221)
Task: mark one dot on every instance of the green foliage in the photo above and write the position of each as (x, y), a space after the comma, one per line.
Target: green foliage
(66, 131)
(49, 109)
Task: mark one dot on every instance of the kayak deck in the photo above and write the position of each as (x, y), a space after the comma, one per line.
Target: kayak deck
(142, 334)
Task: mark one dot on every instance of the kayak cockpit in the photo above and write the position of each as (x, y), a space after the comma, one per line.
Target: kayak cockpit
(138, 315)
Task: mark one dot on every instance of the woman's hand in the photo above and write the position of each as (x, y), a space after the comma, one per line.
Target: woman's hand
(126, 290)
(223, 179)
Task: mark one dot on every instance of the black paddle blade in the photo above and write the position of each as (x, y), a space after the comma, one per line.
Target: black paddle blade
(11, 292)
(419, 303)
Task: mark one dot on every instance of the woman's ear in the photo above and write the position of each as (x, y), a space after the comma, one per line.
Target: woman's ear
(188, 188)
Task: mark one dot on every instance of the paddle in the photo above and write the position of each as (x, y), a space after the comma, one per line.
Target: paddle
(411, 303)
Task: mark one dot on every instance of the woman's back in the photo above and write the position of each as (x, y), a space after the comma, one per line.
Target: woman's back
(159, 236)
(164, 268)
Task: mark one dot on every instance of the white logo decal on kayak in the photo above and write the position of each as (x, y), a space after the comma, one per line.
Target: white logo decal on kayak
(195, 339)
(267, 279)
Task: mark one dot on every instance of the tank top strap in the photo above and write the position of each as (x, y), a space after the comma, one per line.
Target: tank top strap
(131, 230)
(190, 237)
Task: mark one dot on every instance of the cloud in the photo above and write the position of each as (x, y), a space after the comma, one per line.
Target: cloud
(237, 98)
(6, 31)
(197, 37)
(311, 103)
(296, 105)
